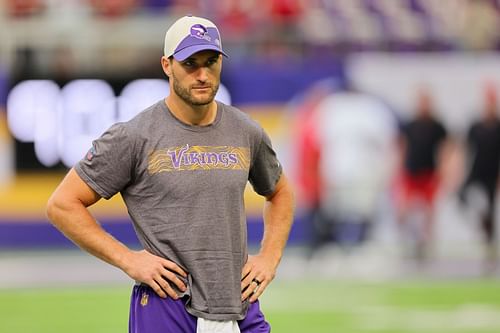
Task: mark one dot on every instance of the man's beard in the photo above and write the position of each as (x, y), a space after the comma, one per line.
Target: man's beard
(186, 96)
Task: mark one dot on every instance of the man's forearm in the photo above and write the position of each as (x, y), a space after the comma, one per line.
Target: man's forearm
(278, 219)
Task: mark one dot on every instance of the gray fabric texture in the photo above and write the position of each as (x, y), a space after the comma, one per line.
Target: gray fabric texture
(183, 187)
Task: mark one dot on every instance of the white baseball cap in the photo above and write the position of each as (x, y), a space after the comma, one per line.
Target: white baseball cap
(191, 34)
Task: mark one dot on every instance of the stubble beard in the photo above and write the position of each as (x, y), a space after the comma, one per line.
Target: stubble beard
(188, 98)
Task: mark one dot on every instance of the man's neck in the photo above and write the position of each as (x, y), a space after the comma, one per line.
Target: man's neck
(199, 115)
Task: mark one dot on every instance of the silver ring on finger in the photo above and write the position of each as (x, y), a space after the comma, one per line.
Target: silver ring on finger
(257, 282)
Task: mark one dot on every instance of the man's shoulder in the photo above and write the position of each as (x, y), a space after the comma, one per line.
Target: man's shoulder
(140, 126)
(239, 117)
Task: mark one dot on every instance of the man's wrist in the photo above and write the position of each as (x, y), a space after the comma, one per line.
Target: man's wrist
(273, 255)
(122, 259)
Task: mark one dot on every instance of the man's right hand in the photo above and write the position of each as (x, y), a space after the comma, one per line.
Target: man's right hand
(156, 272)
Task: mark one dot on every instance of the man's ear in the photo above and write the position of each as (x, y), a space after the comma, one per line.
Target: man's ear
(166, 65)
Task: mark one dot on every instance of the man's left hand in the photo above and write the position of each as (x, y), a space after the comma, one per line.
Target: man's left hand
(257, 273)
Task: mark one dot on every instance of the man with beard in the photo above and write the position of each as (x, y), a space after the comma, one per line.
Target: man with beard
(181, 167)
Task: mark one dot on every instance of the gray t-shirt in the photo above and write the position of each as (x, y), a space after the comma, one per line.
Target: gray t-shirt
(183, 187)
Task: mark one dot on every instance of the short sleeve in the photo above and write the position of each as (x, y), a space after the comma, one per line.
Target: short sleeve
(107, 166)
(265, 169)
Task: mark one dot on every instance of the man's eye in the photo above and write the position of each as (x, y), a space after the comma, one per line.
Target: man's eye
(210, 62)
(189, 63)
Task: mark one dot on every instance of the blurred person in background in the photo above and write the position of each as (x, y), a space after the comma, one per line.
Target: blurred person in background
(422, 150)
(480, 187)
(181, 167)
(345, 163)
(356, 135)
(307, 153)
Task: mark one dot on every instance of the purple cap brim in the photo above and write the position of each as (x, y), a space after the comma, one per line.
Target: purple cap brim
(186, 52)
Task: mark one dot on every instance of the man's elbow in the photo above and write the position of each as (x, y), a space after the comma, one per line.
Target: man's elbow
(50, 209)
(53, 209)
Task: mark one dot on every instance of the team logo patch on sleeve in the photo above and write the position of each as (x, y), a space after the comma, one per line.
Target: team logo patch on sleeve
(199, 158)
(90, 154)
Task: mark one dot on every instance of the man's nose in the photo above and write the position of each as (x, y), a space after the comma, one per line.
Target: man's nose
(202, 74)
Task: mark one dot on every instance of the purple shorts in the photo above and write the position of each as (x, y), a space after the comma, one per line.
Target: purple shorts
(151, 314)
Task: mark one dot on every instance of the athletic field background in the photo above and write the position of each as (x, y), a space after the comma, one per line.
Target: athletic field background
(70, 291)
(298, 306)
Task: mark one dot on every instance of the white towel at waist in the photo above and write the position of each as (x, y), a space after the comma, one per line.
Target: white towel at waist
(217, 326)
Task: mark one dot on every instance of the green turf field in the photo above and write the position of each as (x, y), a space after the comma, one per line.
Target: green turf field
(470, 306)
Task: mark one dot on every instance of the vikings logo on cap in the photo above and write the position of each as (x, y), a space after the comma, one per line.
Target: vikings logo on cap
(199, 31)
